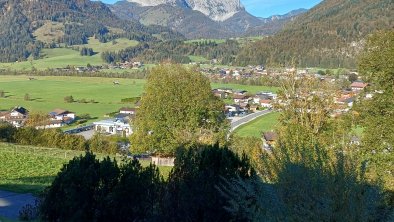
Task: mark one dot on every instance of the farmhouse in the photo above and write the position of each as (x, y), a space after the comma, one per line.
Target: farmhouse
(127, 110)
(62, 115)
(357, 86)
(119, 127)
(266, 103)
(241, 98)
(17, 116)
(269, 139)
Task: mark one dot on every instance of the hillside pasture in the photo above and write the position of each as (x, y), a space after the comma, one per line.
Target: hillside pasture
(47, 93)
(63, 57)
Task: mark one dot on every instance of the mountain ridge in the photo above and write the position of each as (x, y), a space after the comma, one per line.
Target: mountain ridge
(217, 10)
(330, 34)
(195, 24)
(72, 21)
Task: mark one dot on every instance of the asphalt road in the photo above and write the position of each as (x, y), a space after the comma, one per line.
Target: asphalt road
(12, 203)
(240, 121)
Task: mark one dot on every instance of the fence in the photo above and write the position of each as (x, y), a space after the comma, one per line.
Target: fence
(160, 161)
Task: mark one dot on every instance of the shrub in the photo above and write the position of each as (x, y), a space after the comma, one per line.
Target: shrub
(69, 99)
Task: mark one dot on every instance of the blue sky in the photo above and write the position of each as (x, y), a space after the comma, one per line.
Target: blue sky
(266, 8)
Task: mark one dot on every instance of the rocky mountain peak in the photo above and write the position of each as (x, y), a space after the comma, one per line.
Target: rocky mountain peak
(217, 10)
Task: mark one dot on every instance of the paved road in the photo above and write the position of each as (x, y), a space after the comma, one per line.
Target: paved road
(87, 134)
(240, 121)
(12, 203)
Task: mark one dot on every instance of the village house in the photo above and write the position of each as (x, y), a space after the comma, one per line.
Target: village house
(62, 115)
(115, 126)
(358, 86)
(59, 118)
(127, 110)
(266, 103)
(241, 98)
(240, 92)
(219, 94)
(269, 139)
(17, 116)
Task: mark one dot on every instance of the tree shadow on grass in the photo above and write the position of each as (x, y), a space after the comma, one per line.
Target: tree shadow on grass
(33, 185)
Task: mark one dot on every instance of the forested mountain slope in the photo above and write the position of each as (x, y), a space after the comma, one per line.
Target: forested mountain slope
(330, 35)
(29, 25)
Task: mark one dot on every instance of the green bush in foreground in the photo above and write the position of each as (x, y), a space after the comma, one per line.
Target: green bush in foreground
(209, 183)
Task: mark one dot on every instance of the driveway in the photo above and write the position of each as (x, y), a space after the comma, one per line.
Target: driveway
(12, 203)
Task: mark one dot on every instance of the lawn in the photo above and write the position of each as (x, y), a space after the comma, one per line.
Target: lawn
(28, 169)
(62, 57)
(47, 93)
(257, 126)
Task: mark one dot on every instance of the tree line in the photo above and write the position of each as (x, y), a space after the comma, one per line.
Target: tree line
(176, 51)
(134, 74)
(55, 138)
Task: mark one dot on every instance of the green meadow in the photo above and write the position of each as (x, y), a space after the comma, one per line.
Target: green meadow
(63, 57)
(28, 169)
(47, 93)
(256, 127)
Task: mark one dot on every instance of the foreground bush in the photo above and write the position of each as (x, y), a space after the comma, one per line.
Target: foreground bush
(87, 189)
(315, 186)
(191, 193)
(209, 183)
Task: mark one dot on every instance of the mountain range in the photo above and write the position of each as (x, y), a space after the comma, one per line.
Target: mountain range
(201, 18)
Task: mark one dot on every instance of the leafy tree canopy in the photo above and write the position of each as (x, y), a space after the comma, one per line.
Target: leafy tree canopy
(178, 108)
(377, 114)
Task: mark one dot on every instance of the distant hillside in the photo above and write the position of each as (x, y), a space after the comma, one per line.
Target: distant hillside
(195, 24)
(28, 26)
(329, 35)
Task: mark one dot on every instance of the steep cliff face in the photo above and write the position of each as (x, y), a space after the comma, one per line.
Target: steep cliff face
(218, 10)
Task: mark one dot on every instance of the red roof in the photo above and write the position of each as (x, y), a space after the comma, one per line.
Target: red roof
(358, 85)
(240, 97)
(265, 101)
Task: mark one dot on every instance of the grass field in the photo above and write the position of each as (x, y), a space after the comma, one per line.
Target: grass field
(257, 126)
(198, 59)
(62, 57)
(47, 93)
(28, 169)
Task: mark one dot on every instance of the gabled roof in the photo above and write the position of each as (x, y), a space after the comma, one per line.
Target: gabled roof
(270, 136)
(240, 97)
(20, 110)
(358, 85)
(59, 112)
(265, 101)
(127, 109)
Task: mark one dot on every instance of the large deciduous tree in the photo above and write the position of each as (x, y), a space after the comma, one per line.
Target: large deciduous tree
(177, 109)
(377, 68)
